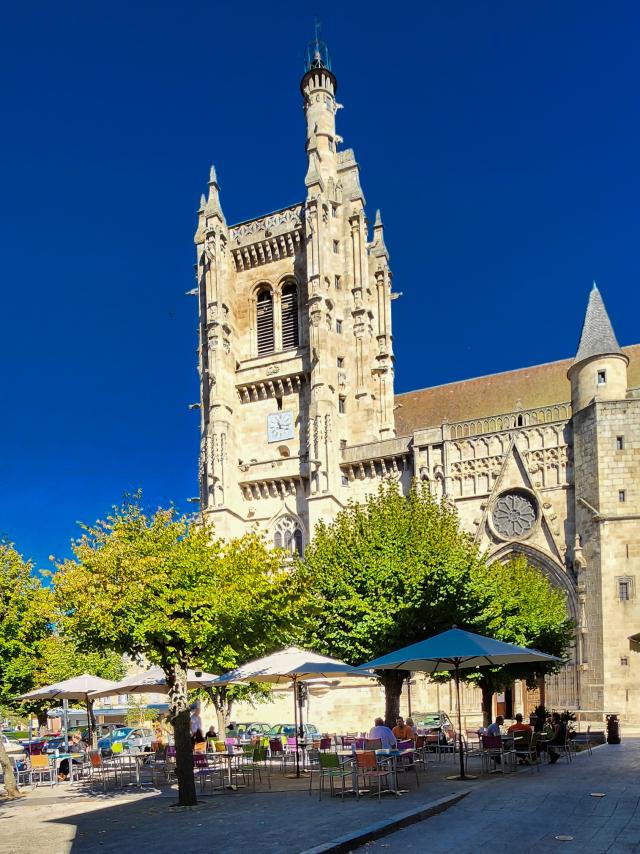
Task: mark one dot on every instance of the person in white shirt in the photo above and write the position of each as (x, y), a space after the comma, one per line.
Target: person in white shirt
(379, 730)
(196, 724)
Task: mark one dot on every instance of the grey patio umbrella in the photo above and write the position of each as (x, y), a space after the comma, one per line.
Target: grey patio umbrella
(453, 650)
(290, 665)
(151, 681)
(78, 688)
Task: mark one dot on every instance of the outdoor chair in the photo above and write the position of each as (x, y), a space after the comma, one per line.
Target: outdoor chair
(582, 738)
(117, 747)
(160, 766)
(372, 769)
(325, 743)
(255, 763)
(102, 769)
(200, 747)
(421, 751)
(204, 769)
(332, 768)
(347, 740)
(472, 750)
(276, 751)
(372, 744)
(493, 750)
(526, 748)
(563, 750)
(408, 761)
(40, 767)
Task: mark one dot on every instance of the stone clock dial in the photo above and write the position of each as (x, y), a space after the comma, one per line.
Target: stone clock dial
(280, 426)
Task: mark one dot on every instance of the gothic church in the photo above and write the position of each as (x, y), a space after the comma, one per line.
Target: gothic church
(298, 412)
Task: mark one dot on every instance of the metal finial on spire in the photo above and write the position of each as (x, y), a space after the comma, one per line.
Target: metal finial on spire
(317, 53)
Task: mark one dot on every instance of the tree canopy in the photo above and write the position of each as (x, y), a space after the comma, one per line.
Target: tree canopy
(163, 586)
(394, 570)
(387, 573)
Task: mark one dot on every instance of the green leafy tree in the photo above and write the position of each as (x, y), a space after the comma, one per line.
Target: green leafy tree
(25, 614)
(162, 586)
(518, 604)
(387, 573)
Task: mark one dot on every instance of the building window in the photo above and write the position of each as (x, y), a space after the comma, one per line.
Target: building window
(264, 322)
(343, 444)
(519, 421)
(345, 480)
(602, 377)
(619, 443)
(334, 211)
(342, 405)
(339, 327)
(622, 496)
(336, 246)
(625, 588)
(624, 661)
(338, 283)
(289, 316)
(340, 361)
(288, 535)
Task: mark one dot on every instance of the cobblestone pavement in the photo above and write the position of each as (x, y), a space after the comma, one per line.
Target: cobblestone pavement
(528, 813)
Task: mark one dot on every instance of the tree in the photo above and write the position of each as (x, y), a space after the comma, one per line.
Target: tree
(518, 605)
(24, 620)
(387, 573)
(164, 587)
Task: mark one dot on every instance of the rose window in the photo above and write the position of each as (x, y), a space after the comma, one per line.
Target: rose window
(514, 515)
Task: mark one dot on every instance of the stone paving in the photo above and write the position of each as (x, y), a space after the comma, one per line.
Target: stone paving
(527, 814)
(514, 813)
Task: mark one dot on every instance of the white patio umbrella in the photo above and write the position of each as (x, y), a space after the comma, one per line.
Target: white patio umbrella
(78, 688)
(454, 650)
(290, 665)
(152, 681)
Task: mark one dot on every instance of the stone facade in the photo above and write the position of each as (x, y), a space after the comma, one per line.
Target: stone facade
(298, 413)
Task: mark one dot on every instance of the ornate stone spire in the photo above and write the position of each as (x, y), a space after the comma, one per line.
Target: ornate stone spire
(378, 245)
(597, 337)
(213, 202)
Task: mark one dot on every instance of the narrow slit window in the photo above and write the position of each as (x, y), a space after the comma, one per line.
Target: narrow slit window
(339, 327)
(602, 377)
(619, 443)
(338, 283)
(622, 496)
(289, 316)
(266, 340)
(342, 405)
(624, 591)
(336, 246)
(340, 362)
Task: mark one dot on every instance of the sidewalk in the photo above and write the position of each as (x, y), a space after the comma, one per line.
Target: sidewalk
(500, 813)
(527, 815)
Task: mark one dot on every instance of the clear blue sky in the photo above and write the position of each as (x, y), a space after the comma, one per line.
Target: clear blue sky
(500, 140)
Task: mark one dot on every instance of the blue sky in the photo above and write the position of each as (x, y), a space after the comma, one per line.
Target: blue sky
(500, 140)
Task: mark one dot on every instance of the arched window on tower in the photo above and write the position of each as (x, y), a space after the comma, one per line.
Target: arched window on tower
(288, 535)
(264, 322)
(289, 316)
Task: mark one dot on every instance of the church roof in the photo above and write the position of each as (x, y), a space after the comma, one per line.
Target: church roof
(496, 394)
(597, 337)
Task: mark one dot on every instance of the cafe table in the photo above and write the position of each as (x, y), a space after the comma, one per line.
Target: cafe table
(126, 761)
(229, 756)
(55, 759)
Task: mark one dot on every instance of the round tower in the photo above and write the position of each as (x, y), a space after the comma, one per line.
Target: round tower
(319, 87)
(599, 370)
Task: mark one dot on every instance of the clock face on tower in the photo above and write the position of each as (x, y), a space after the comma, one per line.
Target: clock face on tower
(280, 426)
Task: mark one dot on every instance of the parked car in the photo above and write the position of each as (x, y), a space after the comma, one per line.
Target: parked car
(252, 728)
(14, 748)
(436, 725)
(131, 738)
(310, 731)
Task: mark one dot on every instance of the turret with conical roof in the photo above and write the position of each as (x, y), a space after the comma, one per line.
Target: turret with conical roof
(599, 370)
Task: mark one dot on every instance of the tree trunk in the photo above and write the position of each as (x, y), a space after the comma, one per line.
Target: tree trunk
(9, 777)
(180, 719)
(392, 681)
(91, 720)
(487, 701)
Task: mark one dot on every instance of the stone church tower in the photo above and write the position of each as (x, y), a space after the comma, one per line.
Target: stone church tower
(298, 413)
(296, 356)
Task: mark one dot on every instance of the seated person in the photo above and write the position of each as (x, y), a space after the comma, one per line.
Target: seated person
(519, 726)
(559, 737)
(494, 728)
(414, 728)
(211, 732)
(402, 731)
(386, 736)
(76, 745)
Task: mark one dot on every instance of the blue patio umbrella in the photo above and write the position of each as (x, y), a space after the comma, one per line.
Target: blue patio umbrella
(453, 650)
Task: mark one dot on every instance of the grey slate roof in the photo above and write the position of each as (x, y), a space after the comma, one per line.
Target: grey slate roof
(597, 337)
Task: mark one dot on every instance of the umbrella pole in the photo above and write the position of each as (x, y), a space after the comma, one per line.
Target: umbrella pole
(65, 714)
(460, 748)
(295, 718)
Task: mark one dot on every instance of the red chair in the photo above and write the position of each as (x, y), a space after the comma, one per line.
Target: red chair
(367, 762)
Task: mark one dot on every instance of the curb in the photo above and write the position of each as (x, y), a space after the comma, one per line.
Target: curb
(355, 839)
